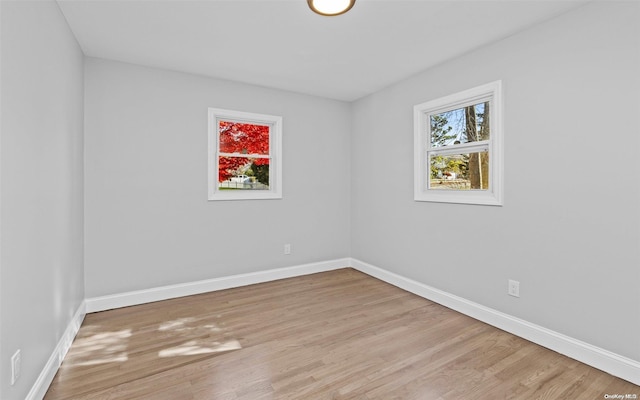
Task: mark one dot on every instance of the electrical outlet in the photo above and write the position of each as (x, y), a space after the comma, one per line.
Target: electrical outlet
(514, 288)
(16, 361)
(287, 248)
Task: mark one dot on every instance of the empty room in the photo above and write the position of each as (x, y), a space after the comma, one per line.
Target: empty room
(322, 199)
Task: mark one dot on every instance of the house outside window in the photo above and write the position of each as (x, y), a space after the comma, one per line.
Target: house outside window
(458, 147)
(244, 155)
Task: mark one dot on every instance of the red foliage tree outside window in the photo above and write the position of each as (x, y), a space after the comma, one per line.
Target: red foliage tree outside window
(244, 148)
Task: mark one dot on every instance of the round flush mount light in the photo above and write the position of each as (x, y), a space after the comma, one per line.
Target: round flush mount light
(330, 7)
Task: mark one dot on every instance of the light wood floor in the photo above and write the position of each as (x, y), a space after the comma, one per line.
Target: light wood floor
(333, 335)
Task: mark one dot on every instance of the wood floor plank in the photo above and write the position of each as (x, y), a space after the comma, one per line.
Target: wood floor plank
(333, 335)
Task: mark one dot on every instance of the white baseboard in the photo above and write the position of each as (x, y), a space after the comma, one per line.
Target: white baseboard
(596, 357)
(187, 289)
(40, 387)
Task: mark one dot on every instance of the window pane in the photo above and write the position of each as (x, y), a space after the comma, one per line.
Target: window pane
(242, 138)
(463, 125)
(464, 171)
(243, 173)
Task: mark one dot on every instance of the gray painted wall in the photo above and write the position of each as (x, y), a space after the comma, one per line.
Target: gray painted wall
(41, 186)
(569, 229)
(148, 221)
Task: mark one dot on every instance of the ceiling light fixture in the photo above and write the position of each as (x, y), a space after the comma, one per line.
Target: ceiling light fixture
(330, 7)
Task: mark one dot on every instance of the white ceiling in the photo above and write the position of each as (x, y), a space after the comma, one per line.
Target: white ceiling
(282, 44)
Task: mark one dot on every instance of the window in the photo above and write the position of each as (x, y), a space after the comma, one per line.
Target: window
(244, 155)
(458, 147)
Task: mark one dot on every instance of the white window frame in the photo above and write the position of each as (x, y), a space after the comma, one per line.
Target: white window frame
(422, 113)
(275, 155)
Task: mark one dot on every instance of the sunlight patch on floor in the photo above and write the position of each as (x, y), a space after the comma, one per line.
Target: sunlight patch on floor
(187, 324)
(101, 348)
(195, 347)
(206, 338)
